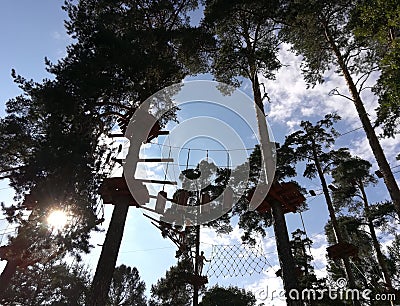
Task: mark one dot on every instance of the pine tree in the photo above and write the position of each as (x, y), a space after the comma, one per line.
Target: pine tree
(217, 295)
(351, 177)
(310, 144)
(377, 23)
(174, 288)
(322, 32)
(126, 288)
(53, 283)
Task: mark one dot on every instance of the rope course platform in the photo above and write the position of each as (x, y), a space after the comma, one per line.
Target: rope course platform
(236, 260)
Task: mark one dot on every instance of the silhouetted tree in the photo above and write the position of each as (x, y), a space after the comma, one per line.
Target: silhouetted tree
(217, 295)
(174, 288)
(126, 288)
(54, 283)
(322, 32)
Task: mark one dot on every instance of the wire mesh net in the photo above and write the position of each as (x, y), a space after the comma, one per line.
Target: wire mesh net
(236, 260)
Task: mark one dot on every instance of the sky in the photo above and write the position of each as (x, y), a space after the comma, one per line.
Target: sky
(33, 30)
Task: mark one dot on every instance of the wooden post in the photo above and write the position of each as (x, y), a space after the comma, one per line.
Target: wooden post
(105, 268)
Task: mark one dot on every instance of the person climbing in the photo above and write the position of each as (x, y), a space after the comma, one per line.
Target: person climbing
(200, 262)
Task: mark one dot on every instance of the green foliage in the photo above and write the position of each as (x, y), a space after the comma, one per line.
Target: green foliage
(312, 144)
(300, 245)
(173, 289)
(246, 40)
(126, 288)
(54, 283)
(315, 28)
(394, 260)
(378, 23)
(217, 295)
(367, 271)
(122, 53)
(350, 174)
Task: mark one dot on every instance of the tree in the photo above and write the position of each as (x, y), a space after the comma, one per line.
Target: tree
(367, 273)
(351, 177)
(125, 52)
(57, 138)
(321, 31)
(54, 283)
(377, 22)
(256, 221)
(394, 259)
(231, 295)
(247, 47)
(309, 145)
(174, 288)
(301, 244)
(126, 288)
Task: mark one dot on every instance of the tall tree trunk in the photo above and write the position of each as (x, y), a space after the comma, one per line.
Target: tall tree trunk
(376, 147)
(285, 255)
(335, 223)
(375, 241)
(282, 237)
(98, 294)
(7, 275)
(196, 268)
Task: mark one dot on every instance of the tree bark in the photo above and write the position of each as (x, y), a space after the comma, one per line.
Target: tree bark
(7, 275)
(373, 140)
(285, 255)
(286, 260)
(98, 294)
(375, 241)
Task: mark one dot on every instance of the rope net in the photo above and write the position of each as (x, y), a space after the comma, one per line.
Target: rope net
(236, 260)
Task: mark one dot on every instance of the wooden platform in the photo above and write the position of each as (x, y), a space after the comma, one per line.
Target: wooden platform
(342, 250)
(287, 194)
(116, 189)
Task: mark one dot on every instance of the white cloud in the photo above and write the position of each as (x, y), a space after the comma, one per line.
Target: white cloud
(291, 100)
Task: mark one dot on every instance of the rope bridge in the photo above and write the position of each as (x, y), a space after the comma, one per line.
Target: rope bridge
(236, 260)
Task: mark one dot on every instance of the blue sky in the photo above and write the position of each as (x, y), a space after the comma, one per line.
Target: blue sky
(32, 30)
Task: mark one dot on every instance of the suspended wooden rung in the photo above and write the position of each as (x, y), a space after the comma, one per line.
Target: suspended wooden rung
(342, 250)
(118, 135)
(157, 182)
(227, 199)
(161, 202)
(205, 203)
(181, 197)
(155, 160)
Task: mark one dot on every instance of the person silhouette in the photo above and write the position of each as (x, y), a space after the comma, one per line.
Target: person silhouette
(200, 262)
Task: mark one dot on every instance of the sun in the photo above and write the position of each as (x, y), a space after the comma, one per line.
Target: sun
(57, 219)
